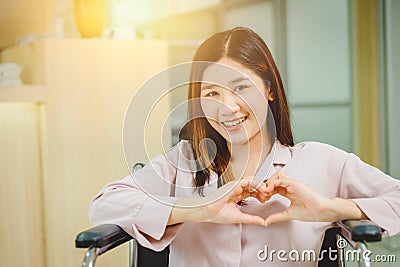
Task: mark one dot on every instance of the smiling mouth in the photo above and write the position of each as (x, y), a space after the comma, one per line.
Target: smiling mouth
(229, 124)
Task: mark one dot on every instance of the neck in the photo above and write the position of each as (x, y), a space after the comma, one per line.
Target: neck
(249, 156)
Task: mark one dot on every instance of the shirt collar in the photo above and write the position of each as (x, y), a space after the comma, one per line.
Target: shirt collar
(282, 153)
(279, 154)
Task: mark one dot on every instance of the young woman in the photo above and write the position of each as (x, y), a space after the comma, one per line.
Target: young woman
(240, 187)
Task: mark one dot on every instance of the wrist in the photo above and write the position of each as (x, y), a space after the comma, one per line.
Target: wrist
(187, 210)
(339, 209)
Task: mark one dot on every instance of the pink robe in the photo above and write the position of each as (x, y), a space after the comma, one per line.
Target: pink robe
(142, 205)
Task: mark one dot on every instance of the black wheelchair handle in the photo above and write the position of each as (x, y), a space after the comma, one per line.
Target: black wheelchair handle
(102, 236)
(360, 230)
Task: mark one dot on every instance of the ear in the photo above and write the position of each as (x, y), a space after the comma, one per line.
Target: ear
(270, 95)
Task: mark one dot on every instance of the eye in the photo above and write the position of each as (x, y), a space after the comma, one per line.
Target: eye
(208, 90)
(240, 88)
(211, 94)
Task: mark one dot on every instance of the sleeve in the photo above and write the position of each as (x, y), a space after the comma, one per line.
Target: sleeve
(376, 193)
(141, 203)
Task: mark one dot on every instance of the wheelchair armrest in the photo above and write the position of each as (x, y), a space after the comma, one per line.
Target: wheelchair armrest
(104, 237)
(360, 230)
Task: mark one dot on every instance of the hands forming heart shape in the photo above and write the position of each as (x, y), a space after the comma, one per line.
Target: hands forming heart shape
(306, 203)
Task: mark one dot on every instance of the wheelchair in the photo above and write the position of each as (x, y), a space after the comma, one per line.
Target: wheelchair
(102, 238)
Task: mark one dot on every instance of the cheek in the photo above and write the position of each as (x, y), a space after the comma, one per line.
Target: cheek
(210, 108)
(257, 107)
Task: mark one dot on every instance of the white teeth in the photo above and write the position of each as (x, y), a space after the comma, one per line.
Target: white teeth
(233, 123)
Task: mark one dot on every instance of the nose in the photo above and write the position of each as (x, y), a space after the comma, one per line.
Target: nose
(230, 103)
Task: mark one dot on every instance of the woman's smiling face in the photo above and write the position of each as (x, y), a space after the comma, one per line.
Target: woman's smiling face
(235, 101)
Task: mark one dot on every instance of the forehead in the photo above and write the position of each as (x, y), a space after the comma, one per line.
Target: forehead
(227, 71)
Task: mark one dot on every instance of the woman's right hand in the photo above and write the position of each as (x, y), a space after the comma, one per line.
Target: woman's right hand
(221, 206)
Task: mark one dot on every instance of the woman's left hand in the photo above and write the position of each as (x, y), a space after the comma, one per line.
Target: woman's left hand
(308, 204)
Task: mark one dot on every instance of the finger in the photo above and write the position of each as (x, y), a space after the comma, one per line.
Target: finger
(239, 197)
(251, 219)
(241, 188)
(246, 194)
(277, 176)
(258, 185)
(244, 190)
(255, 194)
(272, 188)
(245, 183)
(277, 217)
(284, 182)
(282, 191)
(259, 197)
(262, 189)
(272, 192)
(236, 198)
(251, 184)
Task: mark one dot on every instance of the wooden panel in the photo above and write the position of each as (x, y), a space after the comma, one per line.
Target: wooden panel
(89, 85)
(366, 80)
(21, 224)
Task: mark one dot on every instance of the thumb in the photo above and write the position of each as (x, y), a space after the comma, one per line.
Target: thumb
(277, 217)
(251, 219)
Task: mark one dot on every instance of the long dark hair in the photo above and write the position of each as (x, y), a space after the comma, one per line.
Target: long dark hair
(247, 48)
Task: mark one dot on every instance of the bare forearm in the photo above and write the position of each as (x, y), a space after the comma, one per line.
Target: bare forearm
(345, 209)
(187, 210)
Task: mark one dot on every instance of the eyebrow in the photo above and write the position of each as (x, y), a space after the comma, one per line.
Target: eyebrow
(240, 79)
(237, 80)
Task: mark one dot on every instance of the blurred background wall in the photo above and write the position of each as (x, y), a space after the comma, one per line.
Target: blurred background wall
(60, 132)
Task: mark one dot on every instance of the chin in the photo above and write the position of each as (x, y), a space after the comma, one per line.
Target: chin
(238, 141)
